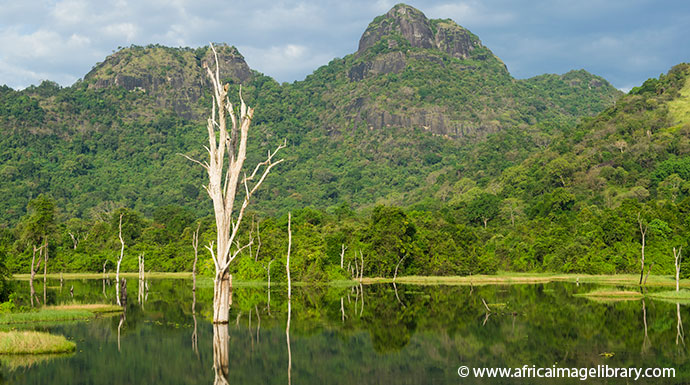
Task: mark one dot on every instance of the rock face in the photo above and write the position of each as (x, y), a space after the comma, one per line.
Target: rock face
(175, 77)
(414, 27)
(415, 73)
(408, 21)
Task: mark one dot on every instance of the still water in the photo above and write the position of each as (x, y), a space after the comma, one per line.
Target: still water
(374, 334)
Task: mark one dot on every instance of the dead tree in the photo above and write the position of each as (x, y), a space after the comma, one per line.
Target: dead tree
(35, 266)
(361, 266)
(224, 180)
(195, 245)
(643, 233)
(342, 254)
(649, 271)
(395, 275)
(677, 257)
(45, 269)
(142, 280)
(287, 262)
(119, 261)
(258, 240)
(289, 316)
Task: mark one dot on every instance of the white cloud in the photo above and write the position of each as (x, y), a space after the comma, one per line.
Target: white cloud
(119, 30)
(471, 14)
(286, 61)
(68, 12)
(623, 40)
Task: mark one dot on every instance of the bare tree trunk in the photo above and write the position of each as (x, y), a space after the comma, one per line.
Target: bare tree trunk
(643, 232)
(142, 280)
(119, 261)
(289, 285)
(287, 263)
(45, 269)
(395, 289)
(224, 180)
(195, 245)
(32, 290)
(75, 240)
(221, 296)
(104, 263)
(361, 266)
(258, 238)
(677, 257)
(649, 271)
(342, 254)
(396, 268)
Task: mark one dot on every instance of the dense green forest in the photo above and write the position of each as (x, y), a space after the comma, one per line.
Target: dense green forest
(430, 156)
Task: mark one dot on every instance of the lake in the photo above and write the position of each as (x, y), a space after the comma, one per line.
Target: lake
(373, 334)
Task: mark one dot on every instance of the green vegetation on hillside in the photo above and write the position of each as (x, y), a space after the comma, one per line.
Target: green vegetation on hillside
(430, 157)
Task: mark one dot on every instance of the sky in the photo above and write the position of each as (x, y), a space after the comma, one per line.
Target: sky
(624, 41)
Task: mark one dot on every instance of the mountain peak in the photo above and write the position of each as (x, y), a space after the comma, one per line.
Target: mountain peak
(405, 25)
(403, 20)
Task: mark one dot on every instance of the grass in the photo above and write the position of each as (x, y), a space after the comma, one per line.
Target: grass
(612, 295)
(502, 278)
(59, 313)
(679, 108)
(111, 275)
(96, 308)
(499, 279)
(511, 278)
(31, 342)
(682, 296)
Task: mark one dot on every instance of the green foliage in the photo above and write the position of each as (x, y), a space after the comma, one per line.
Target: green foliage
(509, 180)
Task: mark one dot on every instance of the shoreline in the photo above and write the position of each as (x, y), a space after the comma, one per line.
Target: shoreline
(502, 278)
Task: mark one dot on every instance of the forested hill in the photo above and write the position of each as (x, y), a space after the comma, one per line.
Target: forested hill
(421, 103)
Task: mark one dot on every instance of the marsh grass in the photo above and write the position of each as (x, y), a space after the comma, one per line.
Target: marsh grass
(46, 315)
(611, 295)
(60, 313)
(510, 278)
(110, 275)
(682, 296)
(32, 342)
(96, 308)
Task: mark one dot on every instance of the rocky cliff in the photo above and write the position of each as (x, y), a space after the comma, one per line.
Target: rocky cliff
(174, 77)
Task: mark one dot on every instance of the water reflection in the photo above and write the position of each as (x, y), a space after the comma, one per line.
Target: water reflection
(221, 355)
(419, 339)
(680, 333)
(287, 340)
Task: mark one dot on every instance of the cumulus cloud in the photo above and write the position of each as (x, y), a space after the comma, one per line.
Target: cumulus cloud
(289, 61)
(625, 41)
(471, 14)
